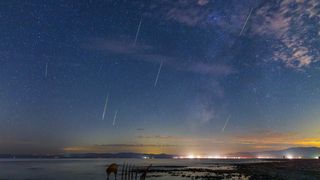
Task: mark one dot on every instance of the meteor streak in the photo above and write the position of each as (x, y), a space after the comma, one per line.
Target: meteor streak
(137, 33)
(105, 107)
(226, 123)
(114, 118)
(245, 24)
(159, 70)
(46, 72)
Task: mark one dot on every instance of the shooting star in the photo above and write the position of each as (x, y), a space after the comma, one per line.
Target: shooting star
(100, 69)
(226, 123)
(245, 24)
(105, 107)
(137, 33)
(159, 70)
(114, 118)
(46, 72)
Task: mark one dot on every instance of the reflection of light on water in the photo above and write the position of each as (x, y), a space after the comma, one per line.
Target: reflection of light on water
(191, 156)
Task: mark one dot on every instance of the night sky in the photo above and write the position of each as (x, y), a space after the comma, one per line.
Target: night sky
(179, 77)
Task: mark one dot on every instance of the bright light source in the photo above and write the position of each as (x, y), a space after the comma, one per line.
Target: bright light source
(289, 157)
(190, 156)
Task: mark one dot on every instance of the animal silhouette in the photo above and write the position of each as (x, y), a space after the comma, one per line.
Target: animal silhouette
(113, 168)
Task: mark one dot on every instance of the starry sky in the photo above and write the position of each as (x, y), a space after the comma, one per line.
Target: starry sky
(179, 77)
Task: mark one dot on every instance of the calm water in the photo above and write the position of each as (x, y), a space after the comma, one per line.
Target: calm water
(78, 169)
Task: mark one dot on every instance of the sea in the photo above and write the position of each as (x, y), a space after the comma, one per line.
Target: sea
(94, 169)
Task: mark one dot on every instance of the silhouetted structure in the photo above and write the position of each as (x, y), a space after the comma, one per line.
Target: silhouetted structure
(128, 171)
(144, 173)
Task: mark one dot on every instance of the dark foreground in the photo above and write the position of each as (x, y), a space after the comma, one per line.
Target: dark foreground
(282, 169)
(270, 169)
(162, 169)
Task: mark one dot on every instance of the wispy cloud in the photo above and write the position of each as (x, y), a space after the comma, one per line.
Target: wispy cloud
(156, 137)
(202, 13)
(147, 53)
(121, 46)
(206, 68)
(268, 139)
(295, 24)
(114, 148)
(190, 13)
(292, 26)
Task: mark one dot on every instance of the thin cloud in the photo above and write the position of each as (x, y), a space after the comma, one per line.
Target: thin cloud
(156, 137)
(147, 53)
(202, 13)
(116, 46)
(290, 25)
(112, 148)
(206, 68)
(273, 139)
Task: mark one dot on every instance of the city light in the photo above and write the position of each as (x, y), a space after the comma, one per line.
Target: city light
(191, 156)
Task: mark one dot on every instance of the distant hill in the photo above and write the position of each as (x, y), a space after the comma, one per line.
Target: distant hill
(90, 155)
(304, 152)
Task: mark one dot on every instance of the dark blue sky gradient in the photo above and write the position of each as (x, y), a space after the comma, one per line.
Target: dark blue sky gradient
(217, 90)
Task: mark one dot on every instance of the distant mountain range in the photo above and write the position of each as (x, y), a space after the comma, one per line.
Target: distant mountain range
(88, 155)
(295, 152)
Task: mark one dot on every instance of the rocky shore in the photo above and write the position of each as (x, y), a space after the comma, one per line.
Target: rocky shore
(273, 169)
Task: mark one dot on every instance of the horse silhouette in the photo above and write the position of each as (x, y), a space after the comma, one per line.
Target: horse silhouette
(113, 168)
